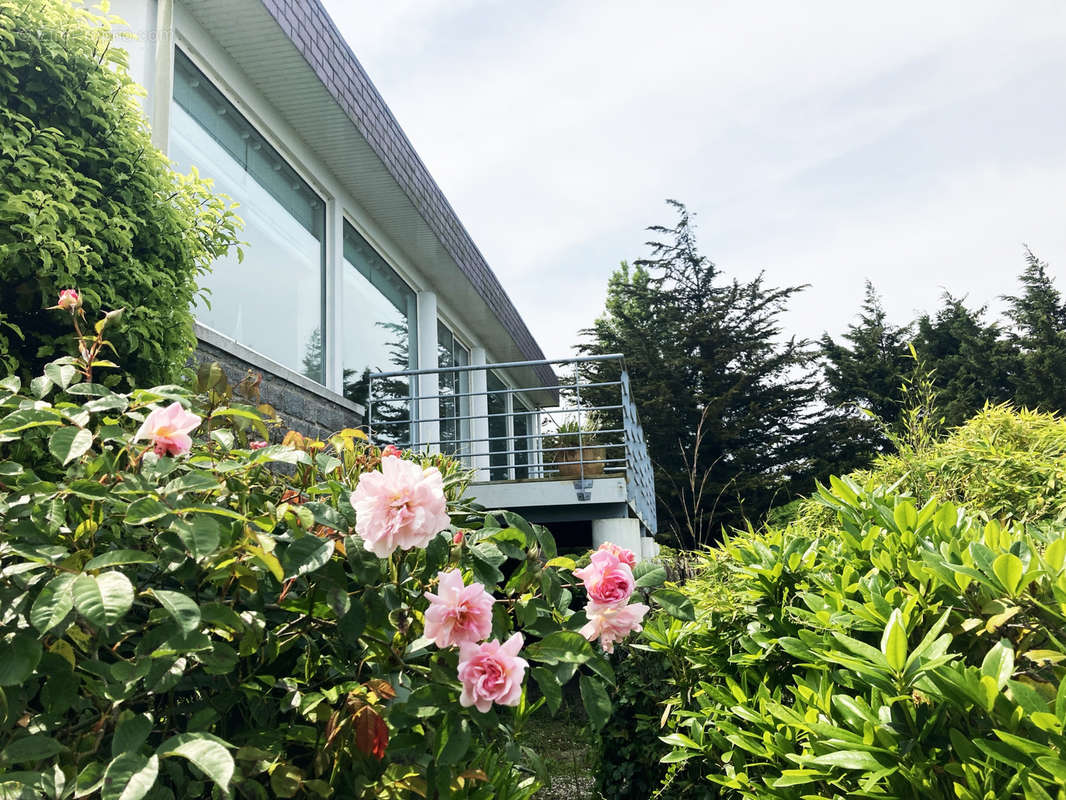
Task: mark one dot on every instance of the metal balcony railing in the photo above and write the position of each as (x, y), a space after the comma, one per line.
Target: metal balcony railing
(507, 432)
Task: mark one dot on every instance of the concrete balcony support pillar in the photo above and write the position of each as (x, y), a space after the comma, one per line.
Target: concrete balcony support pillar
(428, 384)
(479, 409)
(624, 532)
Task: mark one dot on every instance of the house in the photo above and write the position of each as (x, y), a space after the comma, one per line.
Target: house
(361, 298)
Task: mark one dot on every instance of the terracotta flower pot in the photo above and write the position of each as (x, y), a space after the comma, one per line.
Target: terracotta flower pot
(569, 461)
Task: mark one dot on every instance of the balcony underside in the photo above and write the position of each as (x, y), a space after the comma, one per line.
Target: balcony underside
(556, 499)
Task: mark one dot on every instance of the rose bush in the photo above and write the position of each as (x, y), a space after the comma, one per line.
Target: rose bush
(186, 611)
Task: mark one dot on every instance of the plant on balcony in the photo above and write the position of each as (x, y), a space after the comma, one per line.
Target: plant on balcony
(188, 611)
(577, 447)
(86, 201)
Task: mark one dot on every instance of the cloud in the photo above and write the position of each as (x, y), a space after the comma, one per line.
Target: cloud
(915, 144)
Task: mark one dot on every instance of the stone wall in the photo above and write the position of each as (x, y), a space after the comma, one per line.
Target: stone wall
(302, 404)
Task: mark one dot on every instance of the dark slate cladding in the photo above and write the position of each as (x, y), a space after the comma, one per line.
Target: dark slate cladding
(301, 408)
(311, 30)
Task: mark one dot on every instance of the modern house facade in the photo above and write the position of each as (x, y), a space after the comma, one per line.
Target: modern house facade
(361, 298)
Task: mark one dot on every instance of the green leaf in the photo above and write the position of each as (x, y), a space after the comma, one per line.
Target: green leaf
(61, 374)
(1055, 555)
(1009, 569)
(89, 389)
(195, 481)
(129, 777)
(455, 741)
(130, 734)
(675, 604)
(207, 754)
(1053, 766)
(566, 647)
(894, 642)
(145, 510)
(998, 663)
(306, 554)
(848, 759)
(549, 687)
(184, 611)
(649, 575)
(597, 703)
(31, 748)
(562, 562)
(118, 557)
(40, 386)
(26, 418)
(90, 490)
(53, 603)
(200, 534)
(67, 444)
(103, 599)
(19, 657)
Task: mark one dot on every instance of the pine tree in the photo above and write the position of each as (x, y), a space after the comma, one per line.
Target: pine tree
(1038, 331)
(866, 372)
(969, 358)
(722, 395)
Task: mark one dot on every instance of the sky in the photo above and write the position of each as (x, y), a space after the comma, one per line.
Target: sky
(918, 145)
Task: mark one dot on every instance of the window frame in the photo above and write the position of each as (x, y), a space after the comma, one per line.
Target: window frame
(184, 48)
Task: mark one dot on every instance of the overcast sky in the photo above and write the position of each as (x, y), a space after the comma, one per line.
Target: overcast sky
(917, 144)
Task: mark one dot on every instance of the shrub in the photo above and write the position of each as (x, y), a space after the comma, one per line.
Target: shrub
(1011, 465)
(186, 624)
(86, 201)
(882, 644)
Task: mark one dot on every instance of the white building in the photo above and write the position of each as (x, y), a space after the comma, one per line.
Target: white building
(361, 298)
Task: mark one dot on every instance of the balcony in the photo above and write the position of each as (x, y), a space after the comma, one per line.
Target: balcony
(568, 452)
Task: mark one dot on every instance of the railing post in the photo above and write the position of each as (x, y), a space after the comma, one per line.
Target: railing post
(479, 411)
(428, 383)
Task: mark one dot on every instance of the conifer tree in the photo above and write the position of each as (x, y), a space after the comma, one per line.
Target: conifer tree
(969, 358)
(1038, 331)
(703, 348)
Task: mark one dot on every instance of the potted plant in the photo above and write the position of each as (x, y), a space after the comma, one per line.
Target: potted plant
(576, 448)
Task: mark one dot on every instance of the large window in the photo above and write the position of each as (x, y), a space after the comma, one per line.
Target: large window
(273, 300)
(454, 391)
(378, 329)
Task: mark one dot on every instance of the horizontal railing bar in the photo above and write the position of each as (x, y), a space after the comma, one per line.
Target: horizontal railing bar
(536, 438)
(546, 362)
(506, 390)
(468, 417)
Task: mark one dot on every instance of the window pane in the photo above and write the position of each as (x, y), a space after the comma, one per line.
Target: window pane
(272, 301)
(454, 405)
(522, 429)
(448, 382)
(498, 442)
(378, 329)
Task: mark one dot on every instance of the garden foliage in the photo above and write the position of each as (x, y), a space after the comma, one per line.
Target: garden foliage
(883, 644)
(198, 617)
(86, 201)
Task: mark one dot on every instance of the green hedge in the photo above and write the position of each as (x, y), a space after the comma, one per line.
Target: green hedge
(87, 202)
(883, 644)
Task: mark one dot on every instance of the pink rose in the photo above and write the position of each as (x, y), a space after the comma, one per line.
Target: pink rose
(612, 623)
(458, 614)
(624, 555)
(491, 673)
(169, 429)
(607, 579)
(258, 444)
(69, 300)
(401, 506)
